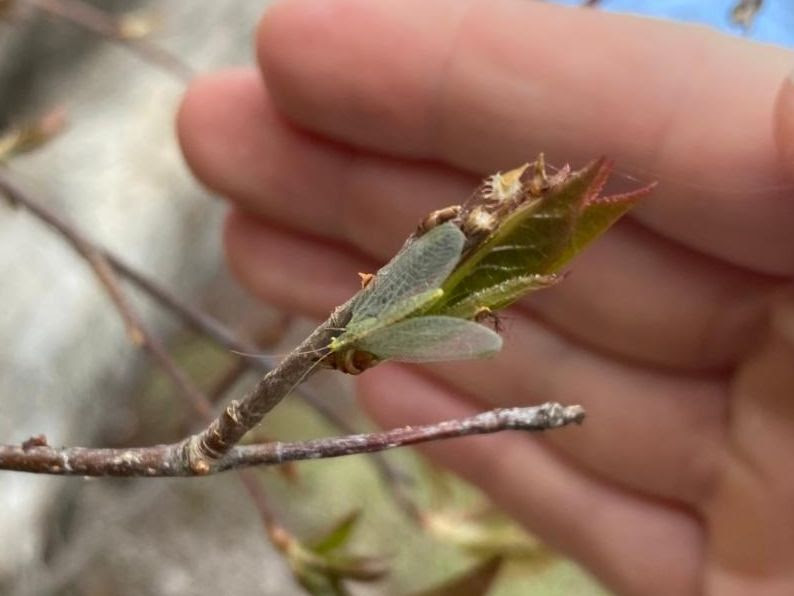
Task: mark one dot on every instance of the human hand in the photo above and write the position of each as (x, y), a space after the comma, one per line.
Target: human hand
(367, 115)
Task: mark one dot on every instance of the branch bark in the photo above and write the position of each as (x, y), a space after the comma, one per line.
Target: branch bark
(173, 459)
(106, 268)
(194, 318)
(214, 449)
(241, 416)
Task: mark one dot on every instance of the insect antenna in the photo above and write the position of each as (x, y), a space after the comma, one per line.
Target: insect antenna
(274, 356)
(305, 374)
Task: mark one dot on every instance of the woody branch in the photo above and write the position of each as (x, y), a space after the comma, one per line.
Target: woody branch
(196, 319)
(171, 460)
(213, 449)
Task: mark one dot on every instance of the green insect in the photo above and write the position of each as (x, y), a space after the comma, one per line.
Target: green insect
(387, 321)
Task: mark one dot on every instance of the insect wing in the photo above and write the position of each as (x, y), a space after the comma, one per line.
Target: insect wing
(431, 339)
(499, 295)
(422, 265)
(357, 329)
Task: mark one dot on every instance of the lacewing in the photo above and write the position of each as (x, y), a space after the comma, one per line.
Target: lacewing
(387, 321)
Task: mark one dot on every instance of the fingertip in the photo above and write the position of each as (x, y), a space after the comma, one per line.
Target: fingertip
(285, 24)
(288, 35)
(207, 129)
(189, 116)
(197, 108)
(346, 68)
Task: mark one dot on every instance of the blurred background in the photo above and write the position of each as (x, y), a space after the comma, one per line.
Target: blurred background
(88, 93)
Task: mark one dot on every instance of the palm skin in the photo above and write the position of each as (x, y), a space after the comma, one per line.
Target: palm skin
(672, 330)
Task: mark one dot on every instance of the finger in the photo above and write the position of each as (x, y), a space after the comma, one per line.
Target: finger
(226, 131)
(483, 85)
(239, 146)
(753, 553)
(633, 293)
(649, 431)
(634, 545)
(646, 299)
(669, 426)
(295, 272)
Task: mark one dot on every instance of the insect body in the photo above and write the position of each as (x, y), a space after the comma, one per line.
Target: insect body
(437, 217)
(387, 321)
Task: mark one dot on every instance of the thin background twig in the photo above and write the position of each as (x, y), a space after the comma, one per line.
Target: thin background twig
(96, 20)
(201, 323)
(137, 331)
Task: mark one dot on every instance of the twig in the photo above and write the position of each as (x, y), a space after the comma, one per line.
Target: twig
(103, 268)
(241, 416)
(215, 330)
(253, 487)
(267, 338)
(193, 317)
(107, 277)
(199, 451)
(98, 21)
(200, 322)
(95, 258)
(227, 379)
(204, 324)
(172, 460)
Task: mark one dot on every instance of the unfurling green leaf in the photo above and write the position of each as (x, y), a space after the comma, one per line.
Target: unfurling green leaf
(485, 533)
(339, 535)
(522, 228)
(323, 566)
(464, 262)
(475, 582)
